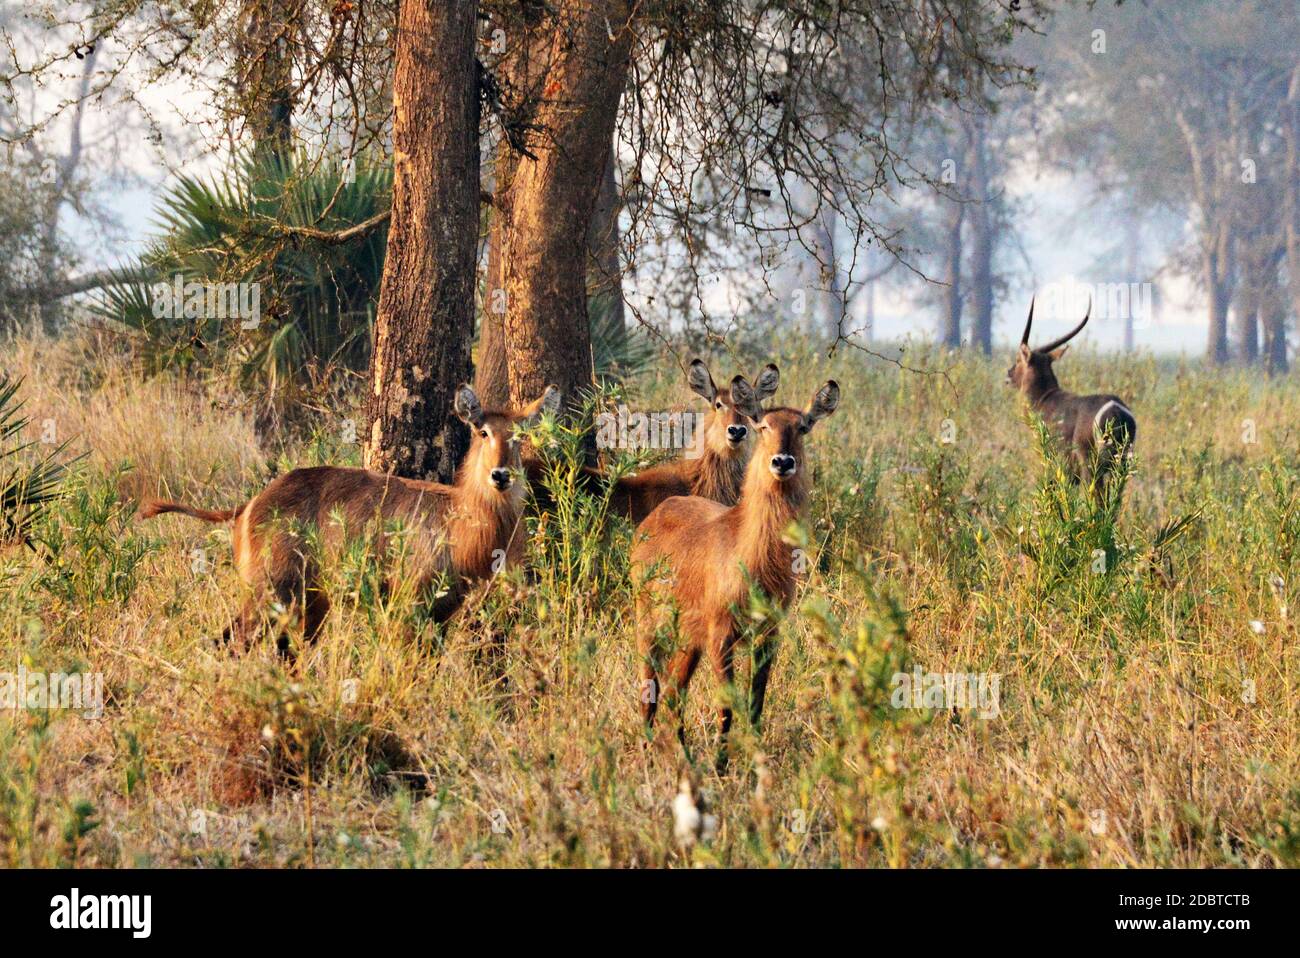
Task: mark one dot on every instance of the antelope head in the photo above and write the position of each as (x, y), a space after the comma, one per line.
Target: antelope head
(728, 429)
(493, 460)
(1032, 373)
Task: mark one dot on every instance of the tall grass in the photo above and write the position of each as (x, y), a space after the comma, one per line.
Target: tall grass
(1146, 652)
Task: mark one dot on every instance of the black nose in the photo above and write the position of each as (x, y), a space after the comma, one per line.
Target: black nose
(783, 465)
(500, 478)
(736, 433)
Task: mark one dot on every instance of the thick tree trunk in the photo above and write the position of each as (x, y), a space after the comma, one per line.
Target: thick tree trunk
(834, 302)
(426, 298)
(951, 333)
(1247, 305)
(1275, 338)
(552, 198)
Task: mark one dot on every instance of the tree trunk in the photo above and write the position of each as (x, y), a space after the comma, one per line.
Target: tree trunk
(982, 245)
(265, 76)
(835, 300)
(1247, 301)
(1132, 266)
(491, 381)
(952, 321)
(1291, 202)
(1216, 261)
(606, 270)
(426, 298)
(1275, 338)
(552, 199)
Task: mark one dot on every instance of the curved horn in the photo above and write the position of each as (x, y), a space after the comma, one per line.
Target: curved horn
(1057, 343)
(1024, 340)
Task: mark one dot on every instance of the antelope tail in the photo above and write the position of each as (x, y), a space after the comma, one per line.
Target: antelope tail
(156, 507)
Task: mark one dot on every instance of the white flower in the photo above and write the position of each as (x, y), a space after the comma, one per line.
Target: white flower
(1257, 626)
(879, 823)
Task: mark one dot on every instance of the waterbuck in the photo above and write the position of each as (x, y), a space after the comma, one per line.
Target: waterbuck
(719, 470)
(1097, 429)
(454, 535)
(716, 473)
(698, 560)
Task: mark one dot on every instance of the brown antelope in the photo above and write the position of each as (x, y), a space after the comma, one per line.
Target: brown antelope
(457, 534)
(699, 559)
(718, 472)
(1097, 430)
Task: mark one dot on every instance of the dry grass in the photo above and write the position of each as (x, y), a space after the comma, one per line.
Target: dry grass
(1126, 734)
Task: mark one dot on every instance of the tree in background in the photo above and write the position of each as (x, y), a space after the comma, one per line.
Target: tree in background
(1206, 140)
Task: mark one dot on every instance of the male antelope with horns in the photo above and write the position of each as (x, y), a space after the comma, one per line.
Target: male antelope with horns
(1097, 429)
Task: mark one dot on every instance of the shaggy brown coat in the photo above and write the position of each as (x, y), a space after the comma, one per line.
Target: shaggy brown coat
(452, 535)
(698, 559)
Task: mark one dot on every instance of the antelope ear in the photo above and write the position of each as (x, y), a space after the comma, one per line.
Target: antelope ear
(744, 399)
(547, 402)
(824, 402)
(766, 382)
(1024, 351)
(700, 380)
(1058, 353)
(467, 407)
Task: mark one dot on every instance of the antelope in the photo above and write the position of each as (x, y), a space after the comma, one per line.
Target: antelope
(1097, 429)
(698, 558)
(716, 474)
(719, 471)
(456, 534)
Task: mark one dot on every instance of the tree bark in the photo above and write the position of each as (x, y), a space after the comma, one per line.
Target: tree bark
(266, 76)
(426, 298)
(553, 197)
(491, 380)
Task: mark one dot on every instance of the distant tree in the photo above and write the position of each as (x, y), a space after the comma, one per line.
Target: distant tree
(1207, 85)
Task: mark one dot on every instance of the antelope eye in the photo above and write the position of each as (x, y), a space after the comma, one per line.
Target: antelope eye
(718, 404)
(482, 433)
(803, 429)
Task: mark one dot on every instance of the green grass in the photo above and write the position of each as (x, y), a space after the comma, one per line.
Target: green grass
(1143, 721)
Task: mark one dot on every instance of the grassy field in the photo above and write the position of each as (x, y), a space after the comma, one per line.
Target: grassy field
(1147, 664)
